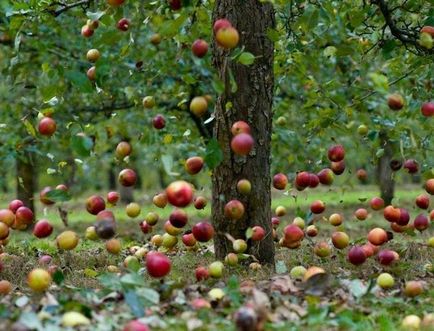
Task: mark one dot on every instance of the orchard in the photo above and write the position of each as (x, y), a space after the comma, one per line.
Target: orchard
(197, 165)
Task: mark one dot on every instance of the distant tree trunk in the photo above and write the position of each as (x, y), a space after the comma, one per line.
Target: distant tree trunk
(384, 171)
(26, 178)
(252, 102)
(127, 194)
(112, 177)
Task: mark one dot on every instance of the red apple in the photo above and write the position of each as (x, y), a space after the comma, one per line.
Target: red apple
(199, 48)
(362, 175)
(4, 231)
(188, 239)
(135, 325)
(404, 217)
(356, 255)
(336, 153)
(201, 273)
(123, 24)
(24, 216)
(427, 109)
(95, 204)
(242, 144)
(338, 168)
(15, 204)
(91, 73)
(240, 127)
(42, 229)
(312, 231)
(7, 217)
(178, 218)
(322, 249)
(194, 165)
(376, 203)
(293, 233)
(200, 202)
(411, 166)
(145, 227)
(158, 265)
(175, 4)
(43, 196)
(203, 231)
(115, 3)
(317, 207)
(395, 101)
(227, 37)
(220, 24)
(280, 181)
(258, 233)
(302, 179)
(160, 200)
(340, 240)
(234, 210)
(421, 222)
(392, 214)
(386, 256)
(313, 180)
(105, 215)
(275, 221)
(422, 201)
(326, 176)
(86, 31)
(113, 197)
(159, 122)
(361, 214)
(127, 177)
(429, 186)
(179, 193)
(377, 236)
(123, 149)
(47, 126)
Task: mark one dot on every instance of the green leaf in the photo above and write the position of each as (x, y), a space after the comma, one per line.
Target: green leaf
(132, 279)
(96, 15)
(246, 58)
(168, 165)
(90, 273)
(110, 281)
(29, 128)
(58, 277)
(79, 80)
(149, 296)
(214, 154)
(58, 195)
(81, 144)
(171, 28)
(249, 233)
(134, 302)
(381, 83)
(273, 35)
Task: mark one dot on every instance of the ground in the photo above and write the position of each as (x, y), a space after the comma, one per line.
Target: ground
(346, 298)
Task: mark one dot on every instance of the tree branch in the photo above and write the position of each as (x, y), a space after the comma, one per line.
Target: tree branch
(408, 36)
(66, 7)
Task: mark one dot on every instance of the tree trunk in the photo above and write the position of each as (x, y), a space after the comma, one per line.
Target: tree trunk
(384, 172)
(26, 179)
(252, 102)
(112, 180)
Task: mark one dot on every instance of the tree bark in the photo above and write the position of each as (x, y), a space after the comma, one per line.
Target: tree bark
(26, 179)
(384, 171)
(251, 102)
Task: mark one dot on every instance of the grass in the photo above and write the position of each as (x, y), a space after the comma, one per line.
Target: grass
(339, 307)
